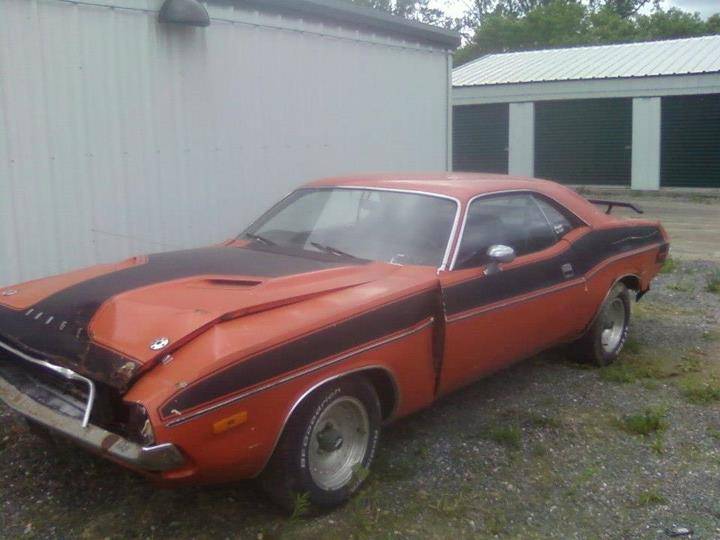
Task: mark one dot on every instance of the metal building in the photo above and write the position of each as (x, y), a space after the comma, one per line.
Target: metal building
(645, 115)
(120, 134)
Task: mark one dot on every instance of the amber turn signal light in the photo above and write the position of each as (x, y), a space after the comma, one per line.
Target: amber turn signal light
(230, 422)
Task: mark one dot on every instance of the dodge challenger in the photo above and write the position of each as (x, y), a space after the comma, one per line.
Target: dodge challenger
(279, 354)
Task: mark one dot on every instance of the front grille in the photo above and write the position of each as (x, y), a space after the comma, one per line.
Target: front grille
(65, 396)
(62, 395)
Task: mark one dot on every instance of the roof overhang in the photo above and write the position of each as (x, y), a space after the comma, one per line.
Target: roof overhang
(348, 14)
(706, 83)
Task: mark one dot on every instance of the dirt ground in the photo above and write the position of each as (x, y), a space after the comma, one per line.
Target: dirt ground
(546, 449)
(691, 218)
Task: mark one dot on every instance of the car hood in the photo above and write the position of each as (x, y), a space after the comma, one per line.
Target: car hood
(112, 323)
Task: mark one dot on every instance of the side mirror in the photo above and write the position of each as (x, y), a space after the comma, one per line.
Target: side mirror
(499, 253)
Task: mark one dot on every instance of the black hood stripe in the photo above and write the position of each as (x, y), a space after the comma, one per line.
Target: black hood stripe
(65, 340)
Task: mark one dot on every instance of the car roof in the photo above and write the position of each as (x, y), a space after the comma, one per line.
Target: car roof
(464, 186)
(458, 185)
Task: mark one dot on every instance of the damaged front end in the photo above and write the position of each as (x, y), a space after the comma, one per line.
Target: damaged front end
(91, 414)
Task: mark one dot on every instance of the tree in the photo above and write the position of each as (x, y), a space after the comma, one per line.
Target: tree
(417, 10)
(510, 25)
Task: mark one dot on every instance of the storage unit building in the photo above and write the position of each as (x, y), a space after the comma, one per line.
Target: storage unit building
(643, 115)
(121, 134)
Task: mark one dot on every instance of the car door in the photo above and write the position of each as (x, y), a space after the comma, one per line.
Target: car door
(497, 314)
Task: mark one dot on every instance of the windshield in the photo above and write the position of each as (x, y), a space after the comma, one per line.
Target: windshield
(397, 227)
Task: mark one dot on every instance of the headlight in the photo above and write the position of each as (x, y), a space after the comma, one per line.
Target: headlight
(139, 427)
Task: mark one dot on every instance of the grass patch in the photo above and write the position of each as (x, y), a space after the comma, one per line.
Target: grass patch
(681, 285)
(395, 468)
(632, 345)
(713, 282)
(507, 436)
(652, 420)
(669, 266)
(650, 498)
(657, 445)
(701, 392)
(542, 421)
(639, 368)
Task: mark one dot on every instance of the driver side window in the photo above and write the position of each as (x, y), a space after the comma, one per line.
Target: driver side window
(513, 220)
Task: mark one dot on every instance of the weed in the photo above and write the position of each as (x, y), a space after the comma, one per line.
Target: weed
(713, 282)
(681, 285)
(711, 335)
(638, 368)
(450, 505)
(714, 433)
(538, 420)
(507, 436)
(632, 345)
(657, 445)
(397, 470)
(690, 364)
(650, 498)
(652, 420)
(585, 476)
(495, 524)
(701, 392)
(669, 266)
(360, 473)
(301, 506)
(538, 450)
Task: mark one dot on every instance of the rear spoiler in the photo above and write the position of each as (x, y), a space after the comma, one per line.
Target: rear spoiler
(612, 204)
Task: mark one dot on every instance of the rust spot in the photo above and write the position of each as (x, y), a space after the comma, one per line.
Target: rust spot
(108, 441)
(126, 371)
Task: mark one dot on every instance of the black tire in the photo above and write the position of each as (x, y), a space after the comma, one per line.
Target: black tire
(288, 474)
(591, 347)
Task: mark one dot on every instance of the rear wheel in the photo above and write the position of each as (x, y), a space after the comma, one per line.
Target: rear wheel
(604, 340)
(327, 446)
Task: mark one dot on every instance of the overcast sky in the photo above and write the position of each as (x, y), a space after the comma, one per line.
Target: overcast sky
(456, 8)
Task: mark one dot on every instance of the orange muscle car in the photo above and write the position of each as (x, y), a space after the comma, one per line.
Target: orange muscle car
(353, 301)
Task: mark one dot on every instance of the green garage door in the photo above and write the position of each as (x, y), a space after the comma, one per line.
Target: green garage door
(690, 141)
(480, 138)
(584, 141)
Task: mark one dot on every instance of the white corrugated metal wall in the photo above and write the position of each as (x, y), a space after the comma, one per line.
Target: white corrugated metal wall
(119, 135)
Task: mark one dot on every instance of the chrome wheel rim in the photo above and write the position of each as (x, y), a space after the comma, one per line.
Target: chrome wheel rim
(613, 325)
(338, 443)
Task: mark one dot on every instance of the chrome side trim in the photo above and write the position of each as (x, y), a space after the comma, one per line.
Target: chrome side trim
(473, 199)
(618, 257)
(474, 312)
(162, 457)
(302, 373)
(530, 296)
(63, 372)
(314, 387)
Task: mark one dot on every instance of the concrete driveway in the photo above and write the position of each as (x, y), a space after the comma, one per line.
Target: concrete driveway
(691, 218)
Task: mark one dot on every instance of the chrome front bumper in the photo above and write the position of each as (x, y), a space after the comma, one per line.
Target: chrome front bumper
(162, 457)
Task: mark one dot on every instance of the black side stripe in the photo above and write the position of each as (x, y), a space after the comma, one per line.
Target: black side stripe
(583, 255)
(307, 350)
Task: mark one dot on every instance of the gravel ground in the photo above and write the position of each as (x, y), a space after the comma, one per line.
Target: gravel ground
(545, 449)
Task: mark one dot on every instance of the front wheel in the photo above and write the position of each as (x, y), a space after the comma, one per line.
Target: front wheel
(327, 446)
(605, 338)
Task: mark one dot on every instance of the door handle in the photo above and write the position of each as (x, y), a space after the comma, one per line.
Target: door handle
(567, 270)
